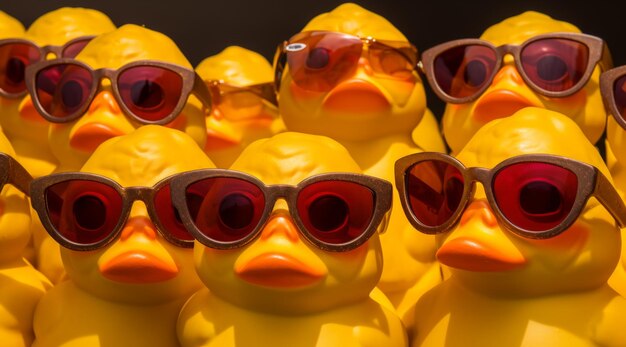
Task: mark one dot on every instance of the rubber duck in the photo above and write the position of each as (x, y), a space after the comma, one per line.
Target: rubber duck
(612, 88)
(315, 290)
(9, 28)
(373, 115)
(509, 91)
(129, 289)
(238, 116)
(533, 269)
(21, 286)
(69, 28)
(72, 142)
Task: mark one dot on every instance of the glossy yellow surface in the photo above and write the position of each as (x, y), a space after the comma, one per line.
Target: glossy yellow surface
(557, 295)
(21, 286)
(27, 131)
(508, 92)
(95, 307)
(375, 139)
(333, 309)
(616, 161)
(241, 118)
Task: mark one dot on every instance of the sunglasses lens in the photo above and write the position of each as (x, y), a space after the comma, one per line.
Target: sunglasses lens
(83, 212)
(555, 65)
(168, 215)
(150, 92)
(336, 212)
(392, 62)
(434, 191)
(463, 71)
(72, 50)
(225, 209)
(14, 58)
(319, 61)
(619, 96)
(63, 89)
(535, 197)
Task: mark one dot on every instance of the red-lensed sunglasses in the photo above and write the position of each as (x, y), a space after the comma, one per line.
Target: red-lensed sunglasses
(17, 54)
(226, 93)
(226, 209)
(535, 196)
(85, 212)
(150, 92)
(613, 90)
(319, 60)
(13, 173)
(554, 65)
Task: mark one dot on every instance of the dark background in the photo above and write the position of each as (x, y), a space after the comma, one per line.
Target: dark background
(202, 28)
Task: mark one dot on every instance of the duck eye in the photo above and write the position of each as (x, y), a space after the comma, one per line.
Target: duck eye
(318, 58)
(328, 213)
(89, 212)
(236, 211)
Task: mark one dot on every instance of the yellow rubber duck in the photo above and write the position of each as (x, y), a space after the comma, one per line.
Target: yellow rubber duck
(508, 289)
(508, 92)
(21, 286)
(279, 279)
(129, 292)
(372, 116)
(9, 28)
(25, 128)
(616, 161)
(73, 142)
(238, 117)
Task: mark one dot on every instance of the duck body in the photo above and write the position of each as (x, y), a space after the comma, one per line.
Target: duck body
(210, 321)
(457, 316)
(71, 317)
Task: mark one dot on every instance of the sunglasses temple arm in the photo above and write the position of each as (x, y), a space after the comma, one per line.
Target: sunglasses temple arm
(610, 199)
(202, 91)
(19, 177)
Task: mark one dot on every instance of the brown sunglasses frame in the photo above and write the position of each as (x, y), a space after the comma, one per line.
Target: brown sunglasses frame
(219, 89)
(280, 57)
(128, 194)
(13, 173)
(381, 189)
(591, 182)
(598, 53)
(192, 84)
(607, 82)
(44, 51)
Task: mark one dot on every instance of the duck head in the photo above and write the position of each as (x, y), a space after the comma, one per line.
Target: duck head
(484, 255)
(139, 266)
(508, 92)
(364, 103)
(238, 116)
(280, 271)
(73, 142)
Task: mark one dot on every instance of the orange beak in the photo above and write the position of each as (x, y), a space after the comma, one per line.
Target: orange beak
(499, 104)
(279, 269)
(356, 96)
(138, 266)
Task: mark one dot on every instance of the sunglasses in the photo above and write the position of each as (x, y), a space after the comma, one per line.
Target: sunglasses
(554, 65)
(13, 173)
(85, 212)
(150, 92)
(320, 60)
(225, 209)
(613, 90)
(535, 196)
(223, 93)
(17, 54)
